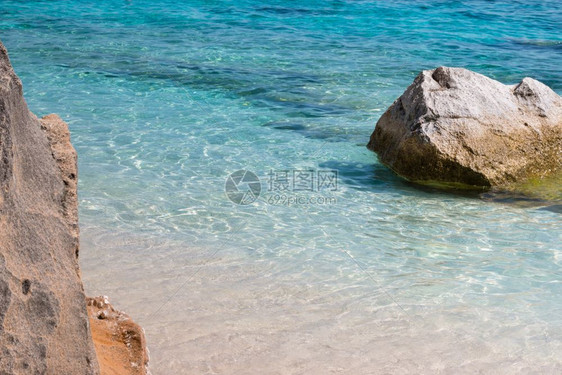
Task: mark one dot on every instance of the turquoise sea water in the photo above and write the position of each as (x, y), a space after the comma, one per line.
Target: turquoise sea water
(166, 99)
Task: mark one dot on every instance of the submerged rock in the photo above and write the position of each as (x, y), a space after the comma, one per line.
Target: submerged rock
(43, 321)
(456, 127)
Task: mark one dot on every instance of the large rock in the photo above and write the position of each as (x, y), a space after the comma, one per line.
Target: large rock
(457, 127)
(43, 320)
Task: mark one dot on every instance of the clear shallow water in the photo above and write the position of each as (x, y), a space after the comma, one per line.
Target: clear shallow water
(165, 99)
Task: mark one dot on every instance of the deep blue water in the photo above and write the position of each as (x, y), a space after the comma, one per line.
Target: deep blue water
(166, 99)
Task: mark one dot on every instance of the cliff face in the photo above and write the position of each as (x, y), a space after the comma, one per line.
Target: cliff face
(43, 319)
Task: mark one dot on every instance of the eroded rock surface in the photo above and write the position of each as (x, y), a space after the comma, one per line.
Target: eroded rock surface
(119, 341)
(43, 320)
(457, 127)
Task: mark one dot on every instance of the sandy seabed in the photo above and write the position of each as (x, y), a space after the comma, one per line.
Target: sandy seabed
(226, 313)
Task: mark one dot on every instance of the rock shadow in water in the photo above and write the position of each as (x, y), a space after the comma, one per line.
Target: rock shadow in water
(365, 176)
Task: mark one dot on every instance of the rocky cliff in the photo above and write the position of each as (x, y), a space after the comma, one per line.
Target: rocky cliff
(44, 326)
(457, 127)
(43, 320)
